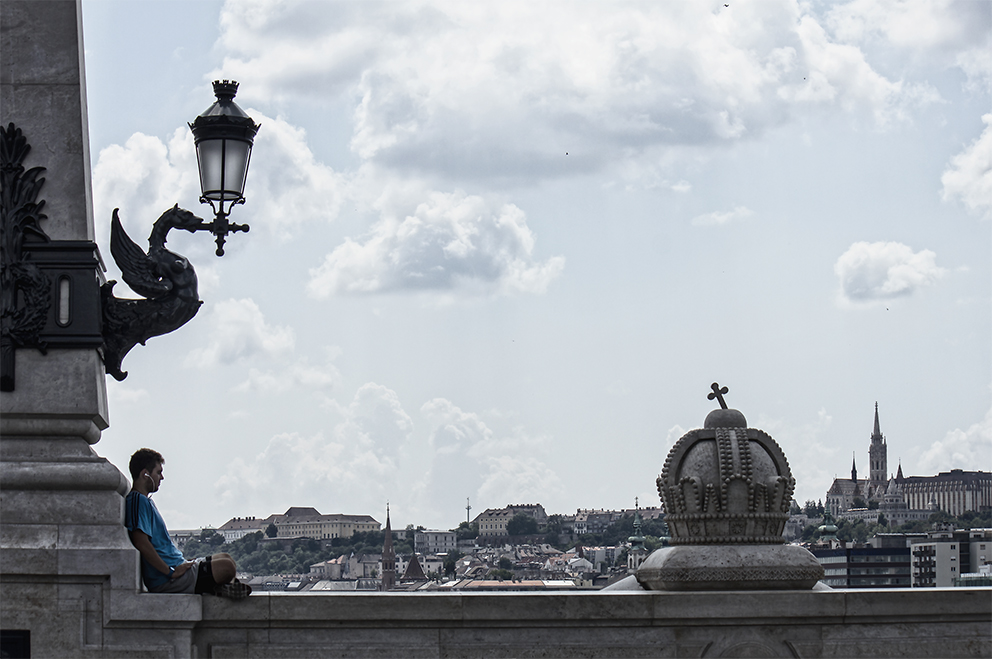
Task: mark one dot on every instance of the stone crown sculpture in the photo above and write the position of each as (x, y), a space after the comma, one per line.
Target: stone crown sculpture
(726, 484)
(727, 490)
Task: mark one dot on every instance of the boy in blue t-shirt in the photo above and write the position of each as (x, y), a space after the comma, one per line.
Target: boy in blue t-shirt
(163, 568)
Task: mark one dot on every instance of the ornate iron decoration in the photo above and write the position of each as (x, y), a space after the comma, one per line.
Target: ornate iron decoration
(166, 279)
(26, 291)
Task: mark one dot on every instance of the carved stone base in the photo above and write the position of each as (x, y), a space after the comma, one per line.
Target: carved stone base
(730, 567)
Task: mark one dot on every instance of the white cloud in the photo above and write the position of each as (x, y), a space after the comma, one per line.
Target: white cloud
(518, 479)
(469, 457)
(718, 218)
(950, 32)
(449, 242)
(466, 90)
(871, 272)
(960, 449)
(354, 467)
(123, 393)
(374, 453)
(300, 374)
(237, 330)
(969, 177)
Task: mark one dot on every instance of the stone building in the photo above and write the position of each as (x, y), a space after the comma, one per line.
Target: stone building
(493, 521)
(434, 541)
(298, 522)
(238, 527)
(954, 492)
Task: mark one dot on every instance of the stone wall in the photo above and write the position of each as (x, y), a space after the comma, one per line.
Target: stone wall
(862, 623)
(881, 623)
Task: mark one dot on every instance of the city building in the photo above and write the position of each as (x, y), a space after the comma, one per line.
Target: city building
(941, 558)
(493, 521)
(864, 567)
(593, 520)
(308, 523)
(954, 492)
(434, 542)
(238, 527)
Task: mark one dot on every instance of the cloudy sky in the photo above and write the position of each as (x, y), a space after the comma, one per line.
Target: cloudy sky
(499, 251)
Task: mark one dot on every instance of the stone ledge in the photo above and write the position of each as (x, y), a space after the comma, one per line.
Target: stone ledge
(635, 608)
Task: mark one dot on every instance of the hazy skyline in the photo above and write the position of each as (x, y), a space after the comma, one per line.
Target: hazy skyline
(501, 250)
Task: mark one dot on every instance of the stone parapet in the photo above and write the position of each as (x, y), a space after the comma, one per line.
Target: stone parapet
(864, 623)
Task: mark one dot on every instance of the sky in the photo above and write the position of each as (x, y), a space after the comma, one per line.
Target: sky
(500, 250)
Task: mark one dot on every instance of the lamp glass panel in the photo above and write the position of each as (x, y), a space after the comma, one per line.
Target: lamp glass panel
(235, 167)
(210, 158)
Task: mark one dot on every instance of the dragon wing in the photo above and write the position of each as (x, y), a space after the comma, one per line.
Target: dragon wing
(137, 268)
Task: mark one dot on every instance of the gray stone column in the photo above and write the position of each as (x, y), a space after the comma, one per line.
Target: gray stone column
(64, 554)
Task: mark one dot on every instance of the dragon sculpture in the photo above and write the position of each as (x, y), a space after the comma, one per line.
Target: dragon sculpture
(165, 278)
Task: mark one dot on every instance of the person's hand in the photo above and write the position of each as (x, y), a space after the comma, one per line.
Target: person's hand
(180, 570)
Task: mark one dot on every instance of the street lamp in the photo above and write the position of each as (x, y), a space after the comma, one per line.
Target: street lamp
(223, 135)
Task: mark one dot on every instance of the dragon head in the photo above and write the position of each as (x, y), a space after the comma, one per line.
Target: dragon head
(180, 218)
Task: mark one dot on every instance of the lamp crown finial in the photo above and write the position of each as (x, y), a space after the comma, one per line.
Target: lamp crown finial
(225, 90)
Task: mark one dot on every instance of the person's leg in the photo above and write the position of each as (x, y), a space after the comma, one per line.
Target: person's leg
(223, 568)
(185, 583)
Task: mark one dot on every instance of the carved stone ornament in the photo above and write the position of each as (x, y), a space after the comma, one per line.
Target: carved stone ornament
(26, 293)
(727, 489)
(166, 279)
(726, 483)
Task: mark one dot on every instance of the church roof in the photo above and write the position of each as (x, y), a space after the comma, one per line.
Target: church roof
(413, 571)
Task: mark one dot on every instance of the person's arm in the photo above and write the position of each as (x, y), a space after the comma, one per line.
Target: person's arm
(144, 546)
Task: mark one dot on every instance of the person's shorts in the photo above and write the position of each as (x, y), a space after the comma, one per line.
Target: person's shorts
(198, 579)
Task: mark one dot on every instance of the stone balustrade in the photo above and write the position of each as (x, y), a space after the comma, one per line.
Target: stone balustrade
(862, 623)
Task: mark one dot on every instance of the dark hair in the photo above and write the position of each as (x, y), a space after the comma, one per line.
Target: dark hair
(144, 458)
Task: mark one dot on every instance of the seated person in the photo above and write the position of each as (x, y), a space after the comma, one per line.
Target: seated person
(163, 568)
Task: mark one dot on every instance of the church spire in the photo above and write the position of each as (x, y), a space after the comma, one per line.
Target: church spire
(899, 475)
(877, 454)
(854, 468)
(388, 557)
(876, 435)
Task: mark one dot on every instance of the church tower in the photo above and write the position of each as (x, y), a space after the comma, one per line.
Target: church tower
(877, 454)
(388, 557)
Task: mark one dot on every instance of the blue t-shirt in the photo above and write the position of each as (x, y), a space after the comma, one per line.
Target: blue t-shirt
(141, 514)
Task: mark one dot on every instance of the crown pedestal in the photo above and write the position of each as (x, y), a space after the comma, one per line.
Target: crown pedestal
(727, 490)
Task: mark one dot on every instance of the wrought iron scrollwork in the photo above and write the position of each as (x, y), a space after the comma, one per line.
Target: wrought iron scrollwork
(26, 292)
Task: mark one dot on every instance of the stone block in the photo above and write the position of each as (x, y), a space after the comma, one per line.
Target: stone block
(28, 536)
(146, 643)
(950, 604)
(62, 385)
(45, 440)
(155, 608)
(247, 612)
(21, 561)
(117, 565)
(379, 642)
(66, 507)
(730, 607)
(40, 44)
(545, 641)
(27, 595)
(62, 475)
(96, 536)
